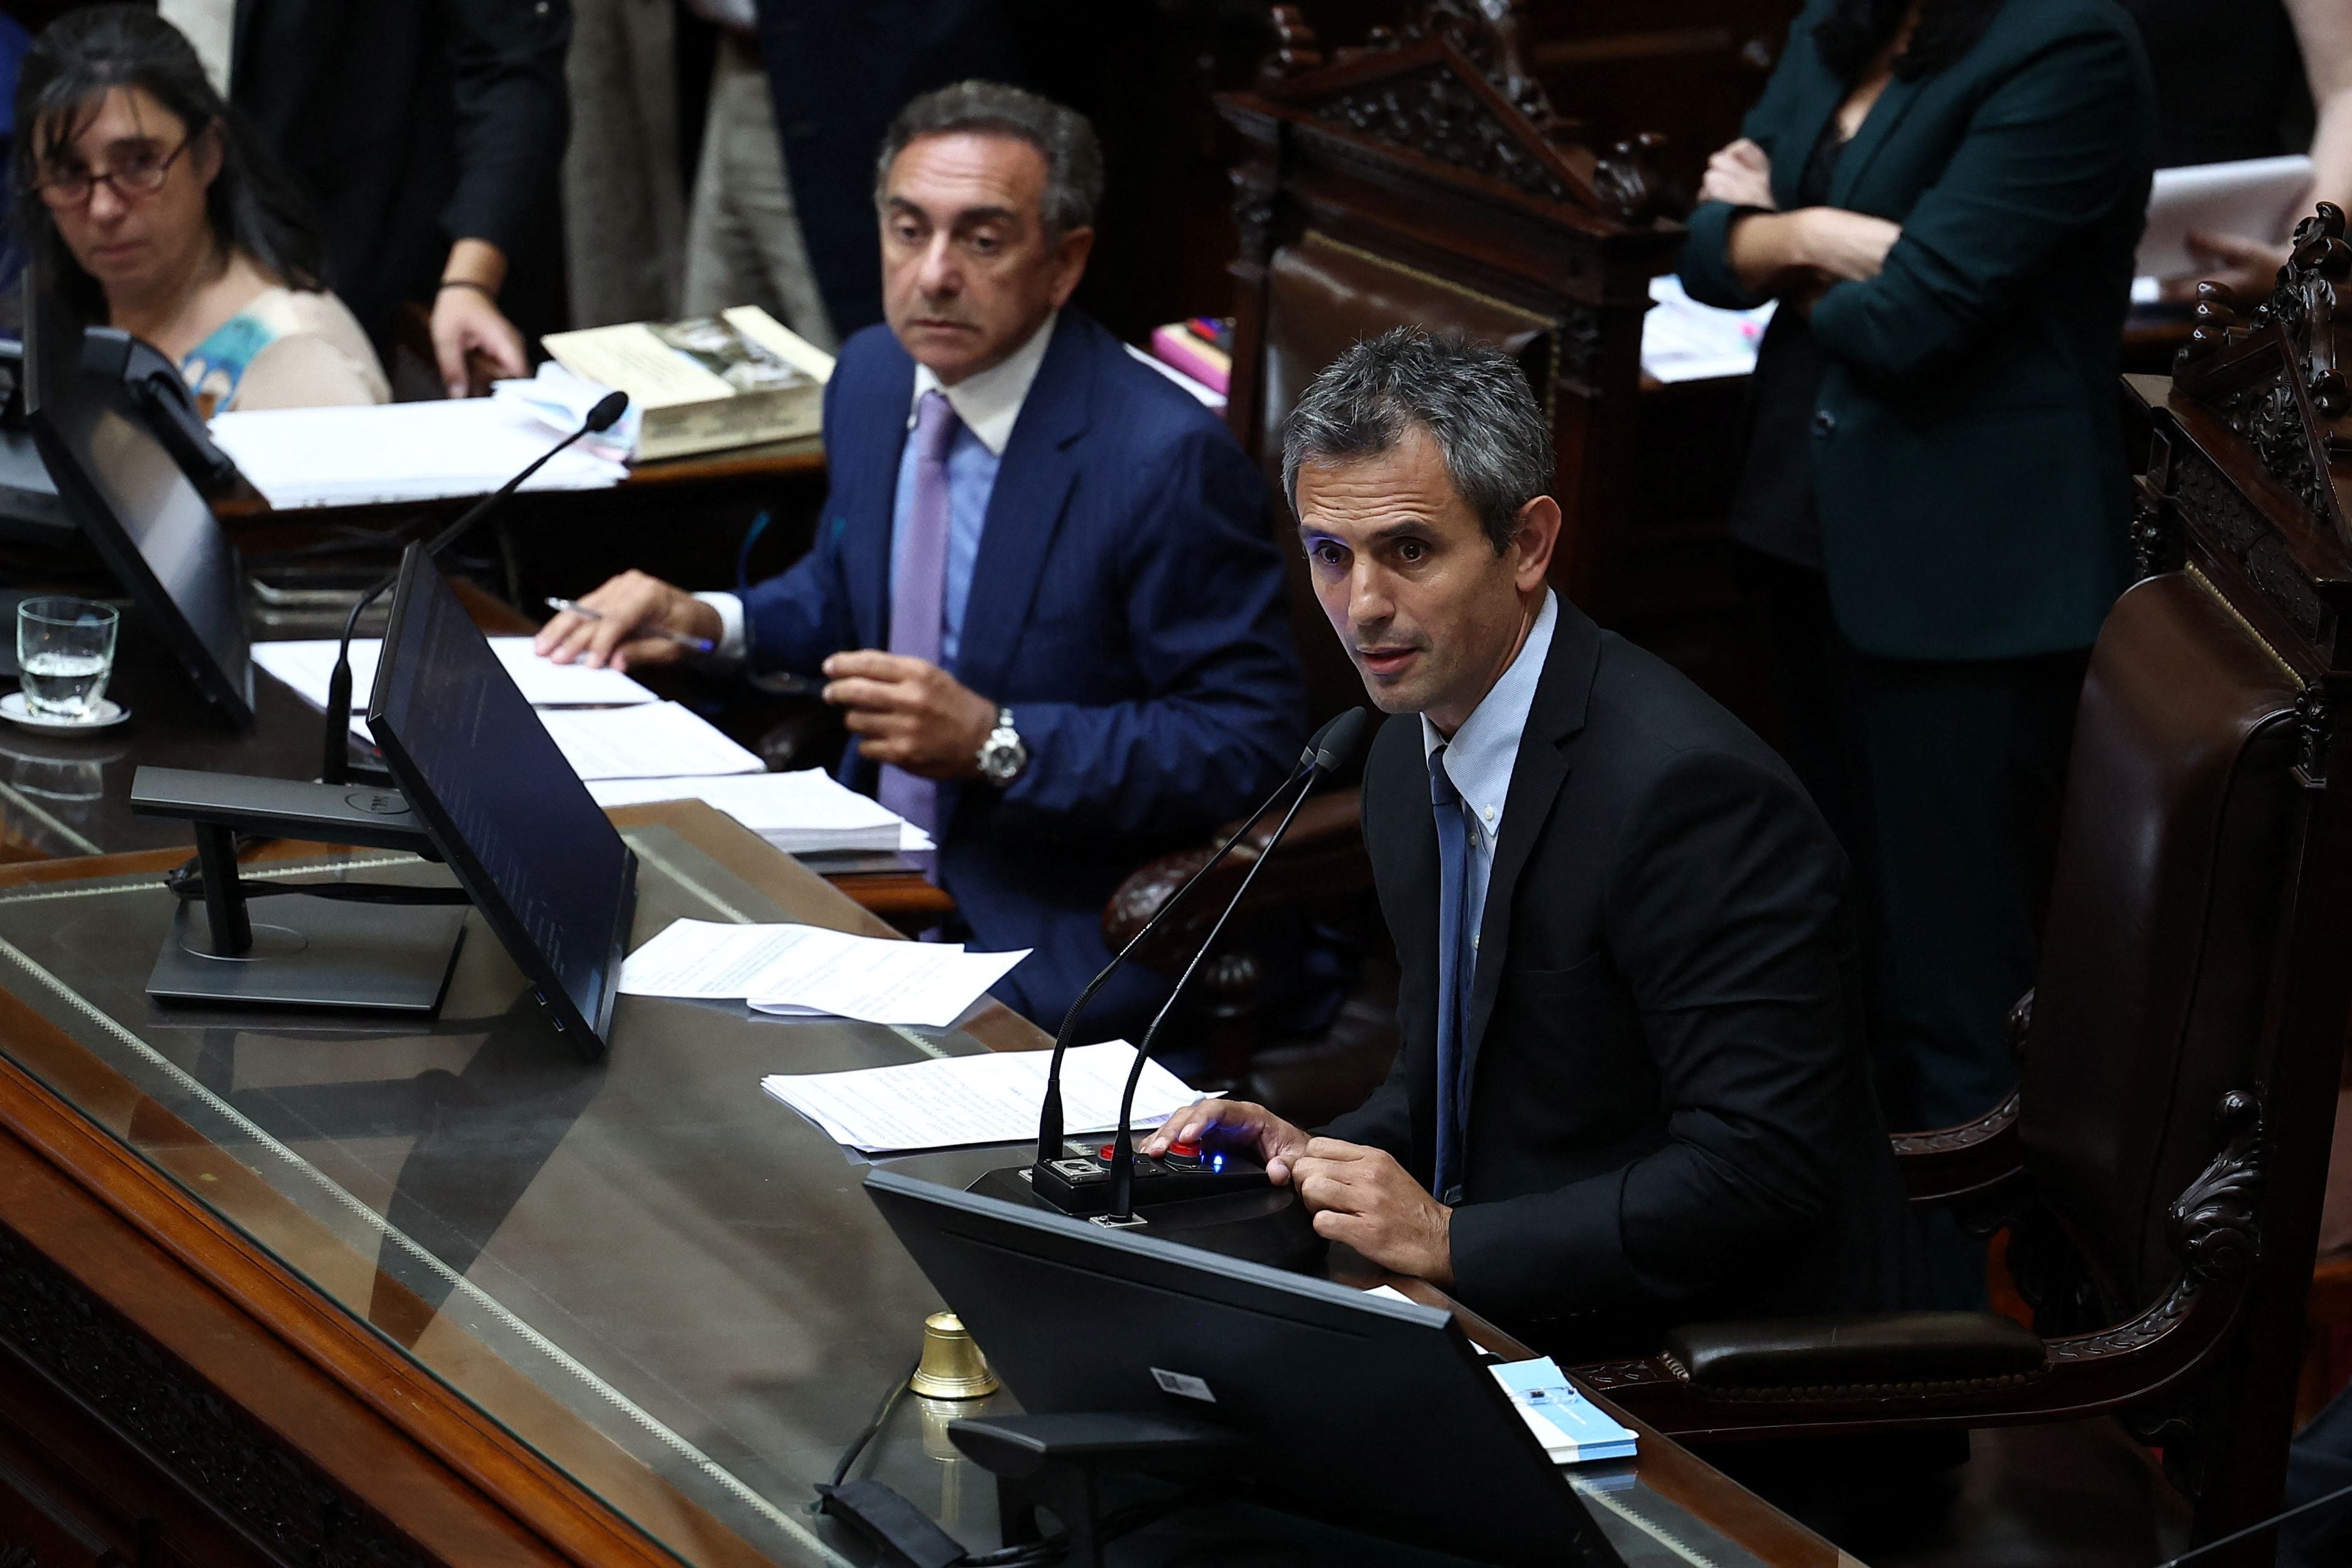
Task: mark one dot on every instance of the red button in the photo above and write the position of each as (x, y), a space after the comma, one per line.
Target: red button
(1109, 1150)
(1185, 1151)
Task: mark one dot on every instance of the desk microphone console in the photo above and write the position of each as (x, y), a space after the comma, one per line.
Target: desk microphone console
(1080, 1181)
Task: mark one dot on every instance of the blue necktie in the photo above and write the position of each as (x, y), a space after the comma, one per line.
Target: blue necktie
(1455, 965)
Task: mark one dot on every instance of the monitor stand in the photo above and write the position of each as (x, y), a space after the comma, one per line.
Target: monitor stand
(296, 950)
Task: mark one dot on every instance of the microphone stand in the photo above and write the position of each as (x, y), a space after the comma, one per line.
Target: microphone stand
(1122, 1160)
(1318, 755)
(335, 758)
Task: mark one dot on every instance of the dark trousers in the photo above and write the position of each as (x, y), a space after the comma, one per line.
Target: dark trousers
(1941, 780)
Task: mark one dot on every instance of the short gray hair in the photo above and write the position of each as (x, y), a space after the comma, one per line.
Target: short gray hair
(1073, 166)
(1473, 400)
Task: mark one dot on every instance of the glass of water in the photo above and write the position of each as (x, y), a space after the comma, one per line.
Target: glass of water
(65, 648)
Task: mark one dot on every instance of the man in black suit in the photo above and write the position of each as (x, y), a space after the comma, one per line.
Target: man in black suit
(1630, 1091)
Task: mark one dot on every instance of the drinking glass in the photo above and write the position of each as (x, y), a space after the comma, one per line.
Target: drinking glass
(65, 648)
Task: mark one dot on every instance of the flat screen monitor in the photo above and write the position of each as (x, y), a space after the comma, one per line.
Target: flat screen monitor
(1371, 1414)
(519, 830)
(129, 497)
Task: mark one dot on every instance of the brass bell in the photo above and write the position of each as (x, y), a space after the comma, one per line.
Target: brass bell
(953, 1366)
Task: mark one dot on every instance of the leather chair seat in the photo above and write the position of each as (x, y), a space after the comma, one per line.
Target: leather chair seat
(1896, 1350)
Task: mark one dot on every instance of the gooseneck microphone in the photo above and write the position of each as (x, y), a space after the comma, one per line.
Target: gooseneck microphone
(334, 761)
(1324, 750)
(1332, 745)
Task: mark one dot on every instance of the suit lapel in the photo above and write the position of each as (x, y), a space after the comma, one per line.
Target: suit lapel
(1554, 718)
(1034, 483)
(866, 476)
(1878, 128)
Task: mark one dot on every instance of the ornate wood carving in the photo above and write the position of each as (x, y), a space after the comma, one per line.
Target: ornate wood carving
(1454, 84)
(219, 1452)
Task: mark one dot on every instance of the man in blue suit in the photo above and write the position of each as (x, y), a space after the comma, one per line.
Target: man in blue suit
(1041, 588)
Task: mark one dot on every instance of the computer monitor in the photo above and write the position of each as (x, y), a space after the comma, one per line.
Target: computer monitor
(130, 498)
(1370, 1412)
(527, 842)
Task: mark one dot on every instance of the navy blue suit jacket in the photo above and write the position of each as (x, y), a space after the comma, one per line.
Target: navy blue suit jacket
(1126, 605)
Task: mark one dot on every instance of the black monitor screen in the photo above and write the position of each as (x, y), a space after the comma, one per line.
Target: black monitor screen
(129, 497)
(530, 846)
(1084, 1321)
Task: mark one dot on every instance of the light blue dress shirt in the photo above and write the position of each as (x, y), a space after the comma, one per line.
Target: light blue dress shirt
(988, 404)
(1481, 756)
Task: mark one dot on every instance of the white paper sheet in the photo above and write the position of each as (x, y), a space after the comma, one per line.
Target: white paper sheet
(808, 971)
(802, 813)
(398, 452)
(1682, 340)
(653, 739)
(991, 1098)
(306, 664)
(2258, 198)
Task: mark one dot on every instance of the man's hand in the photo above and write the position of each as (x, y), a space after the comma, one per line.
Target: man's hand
(1362, 1198)
(1741, 174)
(2247, 267)
(910, 714)
(465, 316)
(629, 605)
(1235, 1123)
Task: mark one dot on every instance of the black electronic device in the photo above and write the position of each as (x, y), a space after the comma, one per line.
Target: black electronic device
(1111, 1181)
(334, 757)
(128, 496)
(525, 838)
(1128, 1353)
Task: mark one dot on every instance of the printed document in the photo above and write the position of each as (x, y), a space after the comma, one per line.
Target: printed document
(1571, 1429)
(652, 740)
(306, 664)
(803, 813)
(810, 971)
(393, 452)
(2257, 197)
(991, 1098)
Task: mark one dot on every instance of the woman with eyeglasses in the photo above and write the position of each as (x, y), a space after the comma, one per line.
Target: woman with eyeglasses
(160, 215)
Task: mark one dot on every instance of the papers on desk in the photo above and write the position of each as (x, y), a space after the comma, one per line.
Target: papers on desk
(395, 452)
(2258, 198)
(306, 664)
(1571, 1429)
(1682, 340)
(991, 1098)
(649, 741)
(810, 971)
(804, 813)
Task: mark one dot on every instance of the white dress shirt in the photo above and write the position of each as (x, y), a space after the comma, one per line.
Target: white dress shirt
(989, 405)
(1481, 756)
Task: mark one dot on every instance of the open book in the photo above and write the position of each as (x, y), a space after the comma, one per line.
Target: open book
(704, 385)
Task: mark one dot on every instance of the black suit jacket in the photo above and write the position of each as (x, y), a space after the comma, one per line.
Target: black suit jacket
(412, 124)
(1670, 1115)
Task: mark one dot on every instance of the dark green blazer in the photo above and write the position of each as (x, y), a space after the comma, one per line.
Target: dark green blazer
(1968, 456)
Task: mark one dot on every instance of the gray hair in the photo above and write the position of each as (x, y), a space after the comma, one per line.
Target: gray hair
(1074, 164)
(1473, 400)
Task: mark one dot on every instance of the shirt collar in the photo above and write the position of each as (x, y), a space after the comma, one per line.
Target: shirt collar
(1480, 757)
(990, 402)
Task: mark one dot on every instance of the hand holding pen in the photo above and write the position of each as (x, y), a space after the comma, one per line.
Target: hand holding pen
(635, 620)
(692, 645)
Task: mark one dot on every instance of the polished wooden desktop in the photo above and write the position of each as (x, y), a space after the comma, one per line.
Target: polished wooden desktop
(297, 1288)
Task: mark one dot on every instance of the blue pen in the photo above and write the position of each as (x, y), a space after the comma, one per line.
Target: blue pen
(699, 645)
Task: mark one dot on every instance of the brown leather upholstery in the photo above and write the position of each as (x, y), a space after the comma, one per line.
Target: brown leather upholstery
(1890, 1348)
(2163, 924)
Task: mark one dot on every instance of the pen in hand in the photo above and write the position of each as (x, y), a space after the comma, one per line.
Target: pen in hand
(699, 645)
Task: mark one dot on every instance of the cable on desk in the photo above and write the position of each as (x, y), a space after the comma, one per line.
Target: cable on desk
(881, 1414)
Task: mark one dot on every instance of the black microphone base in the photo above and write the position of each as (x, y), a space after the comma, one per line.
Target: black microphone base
(1080, 1181)
(1262, 1223)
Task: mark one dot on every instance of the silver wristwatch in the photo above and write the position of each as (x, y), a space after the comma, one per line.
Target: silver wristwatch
(1001, 755)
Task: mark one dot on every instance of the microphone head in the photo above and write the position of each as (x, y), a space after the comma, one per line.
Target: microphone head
(607, 412)
(1335, 741)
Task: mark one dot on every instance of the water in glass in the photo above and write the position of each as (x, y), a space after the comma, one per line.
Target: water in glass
(65, 649)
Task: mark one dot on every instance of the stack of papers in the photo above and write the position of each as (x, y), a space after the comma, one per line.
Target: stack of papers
(1572, 1431)
(2258, 198)
(804, 813)
(1682, 340)
(394, 452)
(991, 1098)
(306, 664)
(649, 741)
(808, 971)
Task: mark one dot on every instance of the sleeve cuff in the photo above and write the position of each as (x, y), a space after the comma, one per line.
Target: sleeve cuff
(732, 644)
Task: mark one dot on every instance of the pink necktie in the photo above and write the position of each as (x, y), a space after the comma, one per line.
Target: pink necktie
(919, 587)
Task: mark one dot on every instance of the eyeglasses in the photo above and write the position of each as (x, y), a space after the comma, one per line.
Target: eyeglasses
(140, 174)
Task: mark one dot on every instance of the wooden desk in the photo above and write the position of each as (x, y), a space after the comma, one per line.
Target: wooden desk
(287, 1290)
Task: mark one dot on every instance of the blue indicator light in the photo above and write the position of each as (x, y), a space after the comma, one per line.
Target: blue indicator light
(1216, 1162)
